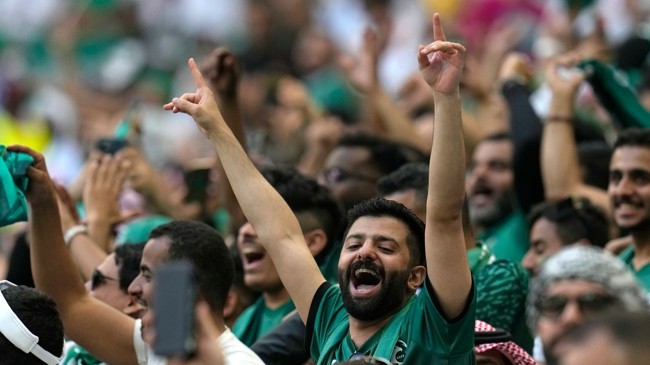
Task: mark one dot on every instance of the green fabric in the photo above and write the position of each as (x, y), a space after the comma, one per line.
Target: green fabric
(258, 319)
(501, 290)
(424, 335)
(642, 274)
(77, 355)
(13, 184)
(139, 230)
(614, 91)
(329, 263)
(508, 239)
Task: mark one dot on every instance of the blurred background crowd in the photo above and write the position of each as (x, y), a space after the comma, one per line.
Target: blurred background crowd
(298, 78)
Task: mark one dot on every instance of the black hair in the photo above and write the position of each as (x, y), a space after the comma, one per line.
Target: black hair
(594, 157)
(633, 137)
(385, 155)
(415, 176)
(575, 218)
(127, 259)
(38, 313)
(410, 176)
(204, 248)
(305, 196)
(380, 207)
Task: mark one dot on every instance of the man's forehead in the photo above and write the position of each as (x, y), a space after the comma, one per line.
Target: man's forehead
(493, 149)
(575, 286)
(372, 226)
(631, 158)
(155, 251)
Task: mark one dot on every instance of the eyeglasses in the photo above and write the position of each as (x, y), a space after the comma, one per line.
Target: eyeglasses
(368, 359)
(335, 175)
(14, 330)
(98, 279)
(589, 303)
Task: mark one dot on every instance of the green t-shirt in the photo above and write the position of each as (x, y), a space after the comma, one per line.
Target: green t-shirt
(258, 319)
(508, 240)
(77, 355)
(417, 334)
(643, 274)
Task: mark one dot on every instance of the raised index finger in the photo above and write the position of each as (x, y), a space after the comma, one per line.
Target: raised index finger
(199, 81)
(438, 33)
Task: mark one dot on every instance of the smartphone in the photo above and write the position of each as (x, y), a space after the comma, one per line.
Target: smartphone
(111, 145)
(174, 303)
(197, 179)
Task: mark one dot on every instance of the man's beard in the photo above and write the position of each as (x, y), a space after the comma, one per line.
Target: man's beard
(392, 293)
(487, 216)
(550, 357)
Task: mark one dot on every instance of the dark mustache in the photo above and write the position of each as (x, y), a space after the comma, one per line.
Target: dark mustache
(368, 265)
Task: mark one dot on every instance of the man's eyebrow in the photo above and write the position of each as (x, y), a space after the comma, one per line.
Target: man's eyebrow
(144, 267)
(376, 238)
(382, 238)
(356, 236)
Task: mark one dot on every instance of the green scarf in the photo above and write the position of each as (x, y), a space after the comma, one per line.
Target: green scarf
(13, 184)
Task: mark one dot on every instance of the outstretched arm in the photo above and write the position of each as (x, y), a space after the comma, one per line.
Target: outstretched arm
(100, 329)
(273, 220)
(560, 163)
(441, 64)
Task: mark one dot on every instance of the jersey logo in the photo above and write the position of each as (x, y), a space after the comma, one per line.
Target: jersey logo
(399, 353)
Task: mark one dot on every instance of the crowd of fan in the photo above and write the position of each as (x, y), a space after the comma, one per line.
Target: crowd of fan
(360, 186)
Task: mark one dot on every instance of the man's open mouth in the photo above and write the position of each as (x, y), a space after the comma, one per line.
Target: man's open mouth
(364, 282)
(482, 192)
(252, 258)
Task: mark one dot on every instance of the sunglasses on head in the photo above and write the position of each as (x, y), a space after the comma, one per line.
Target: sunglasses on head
(589, 303)
(98, 279)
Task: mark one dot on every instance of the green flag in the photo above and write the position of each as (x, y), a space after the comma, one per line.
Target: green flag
(13, 183)
(615, 93)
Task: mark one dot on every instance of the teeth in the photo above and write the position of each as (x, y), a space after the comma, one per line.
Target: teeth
(365, 271)
(251, 251)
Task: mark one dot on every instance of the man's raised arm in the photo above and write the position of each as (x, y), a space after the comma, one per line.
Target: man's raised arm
(100, 329)
(441, 64)
(273, 220)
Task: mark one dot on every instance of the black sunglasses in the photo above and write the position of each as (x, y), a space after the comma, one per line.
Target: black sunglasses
(589, 303)
(98, 279)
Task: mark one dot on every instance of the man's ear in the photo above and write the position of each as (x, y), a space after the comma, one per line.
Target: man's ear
(418, 273)
(230, 307)
(316, 241)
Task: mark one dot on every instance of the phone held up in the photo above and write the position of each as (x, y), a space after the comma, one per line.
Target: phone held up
(174, 303)
(111, 145)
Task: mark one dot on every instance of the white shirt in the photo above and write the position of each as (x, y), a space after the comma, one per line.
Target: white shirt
(233, 350)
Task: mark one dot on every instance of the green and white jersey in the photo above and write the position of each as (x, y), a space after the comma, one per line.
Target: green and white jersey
(417, 334)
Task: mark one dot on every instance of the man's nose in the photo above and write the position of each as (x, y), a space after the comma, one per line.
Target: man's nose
(367, 251)
(572, 314)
